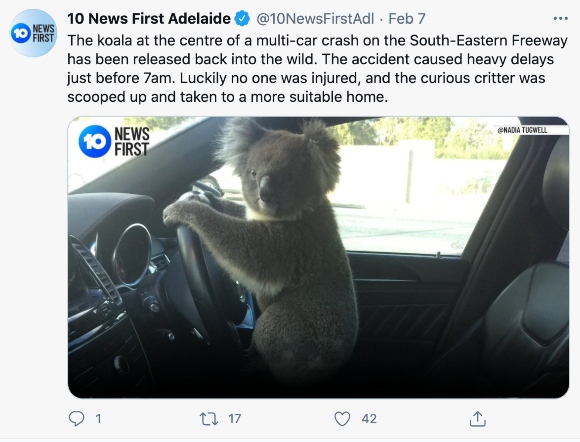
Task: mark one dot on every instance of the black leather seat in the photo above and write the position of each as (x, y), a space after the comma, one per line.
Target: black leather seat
(520, 347)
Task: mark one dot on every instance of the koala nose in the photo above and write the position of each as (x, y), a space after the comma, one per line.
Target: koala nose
(267, 193)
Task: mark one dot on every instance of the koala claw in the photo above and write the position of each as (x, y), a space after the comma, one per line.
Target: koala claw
(174, 213)
(168, 219)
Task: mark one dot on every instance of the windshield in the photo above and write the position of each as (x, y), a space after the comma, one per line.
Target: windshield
(83, 169)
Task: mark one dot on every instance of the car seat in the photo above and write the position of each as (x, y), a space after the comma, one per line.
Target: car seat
(520, 347)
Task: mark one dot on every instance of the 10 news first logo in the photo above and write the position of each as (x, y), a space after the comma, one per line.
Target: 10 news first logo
(33, 33)
(95, 141)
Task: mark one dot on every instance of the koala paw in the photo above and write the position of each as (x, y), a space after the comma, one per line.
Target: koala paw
(178, 213)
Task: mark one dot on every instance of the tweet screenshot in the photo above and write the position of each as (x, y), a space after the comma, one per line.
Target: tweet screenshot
(295, 221)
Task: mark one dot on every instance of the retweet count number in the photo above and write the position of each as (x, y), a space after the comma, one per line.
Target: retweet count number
(234, 418)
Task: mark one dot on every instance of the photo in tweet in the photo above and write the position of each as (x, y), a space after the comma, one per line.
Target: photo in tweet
(332, 257)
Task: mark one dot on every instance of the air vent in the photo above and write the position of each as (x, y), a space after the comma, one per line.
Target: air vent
(159, 262)
(97, 270)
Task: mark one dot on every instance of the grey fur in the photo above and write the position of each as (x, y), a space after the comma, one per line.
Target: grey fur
(236, 140)
(289, 253)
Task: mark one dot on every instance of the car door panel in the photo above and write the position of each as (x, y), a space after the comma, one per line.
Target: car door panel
(404, 303)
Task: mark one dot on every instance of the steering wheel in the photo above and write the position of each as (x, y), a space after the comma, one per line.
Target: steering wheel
(216, 299)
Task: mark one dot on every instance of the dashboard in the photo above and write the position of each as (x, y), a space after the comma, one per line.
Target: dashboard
(134, 324)
(110, 252)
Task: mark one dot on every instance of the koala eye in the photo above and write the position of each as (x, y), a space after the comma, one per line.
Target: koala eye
(253, 173)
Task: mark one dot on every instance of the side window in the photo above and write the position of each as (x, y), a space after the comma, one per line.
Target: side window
(416, 185)
(409, 184)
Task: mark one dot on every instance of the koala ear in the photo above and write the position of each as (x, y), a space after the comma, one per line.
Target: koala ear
(238, 135)
(324, 149)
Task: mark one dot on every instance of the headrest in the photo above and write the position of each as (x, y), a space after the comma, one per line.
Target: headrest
(556, 191)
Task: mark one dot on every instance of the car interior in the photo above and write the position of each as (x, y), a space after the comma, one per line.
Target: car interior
(152, 315)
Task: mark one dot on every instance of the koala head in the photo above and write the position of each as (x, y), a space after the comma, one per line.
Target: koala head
(282, 173)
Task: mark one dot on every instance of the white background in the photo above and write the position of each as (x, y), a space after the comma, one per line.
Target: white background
(34, 396)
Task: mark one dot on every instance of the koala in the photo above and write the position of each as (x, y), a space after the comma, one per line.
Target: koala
(284, 246)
